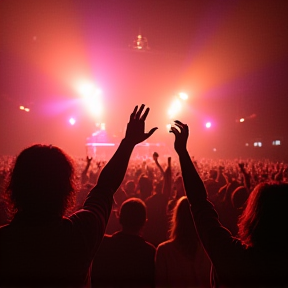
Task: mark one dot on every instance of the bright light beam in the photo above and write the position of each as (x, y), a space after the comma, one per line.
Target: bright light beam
(183, 96)
(174, 108)
(91, 97)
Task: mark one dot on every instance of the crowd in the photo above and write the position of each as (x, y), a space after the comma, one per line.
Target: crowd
(142, 222)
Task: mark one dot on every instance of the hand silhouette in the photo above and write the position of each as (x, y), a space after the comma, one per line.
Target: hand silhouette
(181, 136)
(135, 132)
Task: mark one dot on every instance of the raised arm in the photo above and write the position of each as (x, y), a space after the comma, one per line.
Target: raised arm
(155, 158)
(212, 234)
(113, 173)
(194, 186)
(167, 187)
(84, 177)
(93, 218)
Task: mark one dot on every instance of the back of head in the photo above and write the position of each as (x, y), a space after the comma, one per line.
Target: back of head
(42, 181)
(132, 215)
(130, 187)
(145, 186)
(213, 174)
(183, 230)
(264, 221)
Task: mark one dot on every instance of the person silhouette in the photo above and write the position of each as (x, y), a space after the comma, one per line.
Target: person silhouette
(259, 257)
(41, 247)
(125, 259)
(181, 261)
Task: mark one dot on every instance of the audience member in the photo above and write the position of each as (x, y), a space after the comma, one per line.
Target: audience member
(125, 259)
(259, 258)
(156, 229)
(181, 261)
(41, 247)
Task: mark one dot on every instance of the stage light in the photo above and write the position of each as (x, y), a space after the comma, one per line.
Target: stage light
(21, 107)
(94, 105)
(85, 88)
(102, 126)
(276, 142)
(27, 109)
(242, 120)
(91, 97)
(257, 144)
(168, 127)
(72, 121)
(183, 96)
(208, 125)
(174, 108)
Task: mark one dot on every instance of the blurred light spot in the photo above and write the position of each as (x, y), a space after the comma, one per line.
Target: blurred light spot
(183, 96)
(102, 126)
(208, 125)
(174, 108)
(72, 121)
(168, 127)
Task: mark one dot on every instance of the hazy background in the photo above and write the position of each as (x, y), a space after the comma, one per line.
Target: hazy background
(230, 57)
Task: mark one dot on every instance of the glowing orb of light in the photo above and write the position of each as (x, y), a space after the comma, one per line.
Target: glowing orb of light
(85, 88)
(168, 127)
(208, 125)
(183, 96)
(72, 121)
(242, 120)
(174, 108)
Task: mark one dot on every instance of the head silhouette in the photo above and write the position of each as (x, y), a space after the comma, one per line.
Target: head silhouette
(42, 181)
(264, 220)
(183, 230)
(132, 215)
(145, 186)
(182, 224)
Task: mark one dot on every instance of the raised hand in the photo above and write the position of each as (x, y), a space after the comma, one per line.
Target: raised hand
(181, 136)
(135, 132)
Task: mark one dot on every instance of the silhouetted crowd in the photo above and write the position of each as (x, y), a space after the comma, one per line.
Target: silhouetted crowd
(154, 221)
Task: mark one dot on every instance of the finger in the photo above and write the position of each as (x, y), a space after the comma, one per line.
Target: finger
(179, 126)
(132, 116)
(152, 131)
(179, 122)
(174, 131)
(140, 111)
(144, 116)
(183, 128)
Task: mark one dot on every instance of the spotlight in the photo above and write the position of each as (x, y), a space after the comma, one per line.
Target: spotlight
(208, 125)
(174, 108)
(183, 96)
(72, 121)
